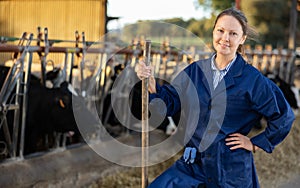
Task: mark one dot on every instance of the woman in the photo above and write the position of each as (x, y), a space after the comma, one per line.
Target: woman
(232, 96)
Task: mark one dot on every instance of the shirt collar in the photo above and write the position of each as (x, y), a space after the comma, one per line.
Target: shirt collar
(226, 69)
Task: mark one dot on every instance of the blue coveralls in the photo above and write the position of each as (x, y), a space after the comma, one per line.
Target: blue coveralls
(240, 100)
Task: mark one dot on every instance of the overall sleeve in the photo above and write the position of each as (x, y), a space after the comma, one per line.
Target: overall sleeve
(268, 100)
(169, 100)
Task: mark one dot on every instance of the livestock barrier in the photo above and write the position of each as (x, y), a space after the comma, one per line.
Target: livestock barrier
(93, 79)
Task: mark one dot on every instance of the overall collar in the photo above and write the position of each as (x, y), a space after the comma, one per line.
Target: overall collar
(226, 69)
(235, 70)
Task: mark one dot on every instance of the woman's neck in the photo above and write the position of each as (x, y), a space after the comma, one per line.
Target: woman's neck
(222, 61)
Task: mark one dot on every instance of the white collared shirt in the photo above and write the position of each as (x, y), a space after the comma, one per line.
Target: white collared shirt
(218, 75)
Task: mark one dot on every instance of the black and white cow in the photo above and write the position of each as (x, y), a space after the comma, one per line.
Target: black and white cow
(168, 125)
(287, 90)
(50, 111)
(55, 77)
(125, 79)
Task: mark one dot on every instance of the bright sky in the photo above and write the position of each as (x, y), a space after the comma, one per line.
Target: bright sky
(131, 11)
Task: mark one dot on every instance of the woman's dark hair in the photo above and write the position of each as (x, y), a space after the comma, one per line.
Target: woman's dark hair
(239, 15)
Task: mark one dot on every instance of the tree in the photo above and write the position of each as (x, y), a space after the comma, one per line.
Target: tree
(270, 18)
(216, 5)
(202, 28)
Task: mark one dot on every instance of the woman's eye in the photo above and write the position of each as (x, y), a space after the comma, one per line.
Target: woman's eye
(220, 30)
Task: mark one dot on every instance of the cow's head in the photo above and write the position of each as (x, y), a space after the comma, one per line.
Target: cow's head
(62, 111)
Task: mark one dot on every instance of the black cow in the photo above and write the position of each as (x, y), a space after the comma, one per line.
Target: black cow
(56, 77)
(9, 115)
(108, 115)
(168, 125)
(125, 79)
(51, 110)
(286, 90)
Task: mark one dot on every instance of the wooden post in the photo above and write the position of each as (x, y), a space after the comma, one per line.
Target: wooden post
(145, 122)
(292, 41)
(293, 25)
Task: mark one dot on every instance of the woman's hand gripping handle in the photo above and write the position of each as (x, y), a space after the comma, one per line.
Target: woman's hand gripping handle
(143, 72)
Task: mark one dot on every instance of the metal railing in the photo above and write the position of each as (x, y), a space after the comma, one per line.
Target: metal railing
(84, 61)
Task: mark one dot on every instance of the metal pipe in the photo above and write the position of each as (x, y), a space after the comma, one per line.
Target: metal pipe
(25, 105)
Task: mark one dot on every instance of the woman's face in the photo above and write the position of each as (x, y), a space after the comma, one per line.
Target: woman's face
(227, 36)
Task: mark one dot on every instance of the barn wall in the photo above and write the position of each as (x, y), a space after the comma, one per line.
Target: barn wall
(61, 17)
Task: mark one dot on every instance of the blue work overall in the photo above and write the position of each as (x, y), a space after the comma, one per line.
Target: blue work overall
(240, 100)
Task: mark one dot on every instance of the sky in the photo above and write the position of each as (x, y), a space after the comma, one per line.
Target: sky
(131, 11)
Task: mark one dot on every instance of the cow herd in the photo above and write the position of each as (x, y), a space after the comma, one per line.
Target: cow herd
(49, 114)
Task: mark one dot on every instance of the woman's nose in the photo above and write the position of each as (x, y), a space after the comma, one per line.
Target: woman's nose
(225, 36)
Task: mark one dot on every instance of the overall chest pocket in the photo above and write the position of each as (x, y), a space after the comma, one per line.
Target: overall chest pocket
(237, 107)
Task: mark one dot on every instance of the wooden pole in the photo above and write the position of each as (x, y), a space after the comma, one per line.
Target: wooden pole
(293, 25)
(145, 122)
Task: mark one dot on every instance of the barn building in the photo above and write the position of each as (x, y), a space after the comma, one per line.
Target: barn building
(62, 18)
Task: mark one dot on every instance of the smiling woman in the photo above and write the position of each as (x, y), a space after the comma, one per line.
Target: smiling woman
(152, 10)
(232, 96)
(228, 35)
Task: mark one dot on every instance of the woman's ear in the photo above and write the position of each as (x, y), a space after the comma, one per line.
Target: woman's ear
(244, 37)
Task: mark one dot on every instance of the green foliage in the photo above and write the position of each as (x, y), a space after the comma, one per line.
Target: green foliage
(270, 18)
(216, 5)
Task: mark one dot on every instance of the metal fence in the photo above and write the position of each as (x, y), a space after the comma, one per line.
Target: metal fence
(98, 62)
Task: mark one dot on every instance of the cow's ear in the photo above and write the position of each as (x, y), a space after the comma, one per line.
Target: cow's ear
(56, 69)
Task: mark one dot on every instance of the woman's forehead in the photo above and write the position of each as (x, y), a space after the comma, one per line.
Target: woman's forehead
(229, 22)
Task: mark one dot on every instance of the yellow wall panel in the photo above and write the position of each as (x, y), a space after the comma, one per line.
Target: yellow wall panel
(61, 17)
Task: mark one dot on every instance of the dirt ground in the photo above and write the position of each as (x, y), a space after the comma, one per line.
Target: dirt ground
(281, 169)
